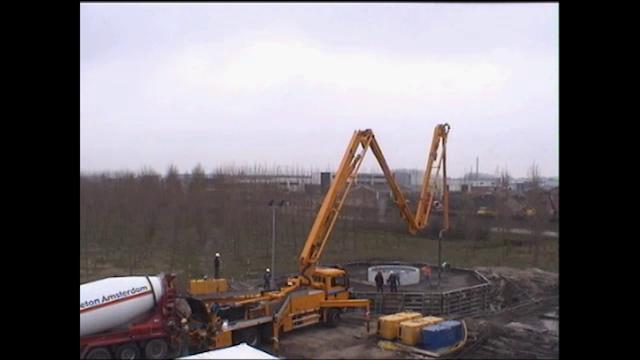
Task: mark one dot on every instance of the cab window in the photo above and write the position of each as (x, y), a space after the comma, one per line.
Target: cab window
(338, 281)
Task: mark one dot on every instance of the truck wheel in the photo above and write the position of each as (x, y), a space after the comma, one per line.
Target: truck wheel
(128, 351)
(99, 353)
(156, 349)
(248, 335)
(333, 317)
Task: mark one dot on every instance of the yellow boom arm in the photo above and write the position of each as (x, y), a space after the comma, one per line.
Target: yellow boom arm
(360, 142)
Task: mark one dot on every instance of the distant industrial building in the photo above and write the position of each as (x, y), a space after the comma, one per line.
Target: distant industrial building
(295, 183)
(371, 179)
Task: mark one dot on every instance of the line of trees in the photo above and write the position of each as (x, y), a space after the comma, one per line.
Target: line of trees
(133, 222)
(151, 222)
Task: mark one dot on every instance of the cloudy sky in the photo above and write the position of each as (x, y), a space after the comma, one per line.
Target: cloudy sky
(287, 84)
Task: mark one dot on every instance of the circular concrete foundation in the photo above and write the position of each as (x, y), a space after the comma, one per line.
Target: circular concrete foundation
(409, 275)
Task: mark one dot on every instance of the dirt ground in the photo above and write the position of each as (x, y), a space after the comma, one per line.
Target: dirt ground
(523, 319)
(349, 340)
(522, 322)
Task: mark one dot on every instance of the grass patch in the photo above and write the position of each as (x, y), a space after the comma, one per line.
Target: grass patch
(366, 245)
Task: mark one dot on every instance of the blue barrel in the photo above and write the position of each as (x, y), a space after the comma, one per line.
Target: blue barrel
(441, 335)
(456, 327)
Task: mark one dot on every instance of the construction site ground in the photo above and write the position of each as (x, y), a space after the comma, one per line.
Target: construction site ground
(522, 322)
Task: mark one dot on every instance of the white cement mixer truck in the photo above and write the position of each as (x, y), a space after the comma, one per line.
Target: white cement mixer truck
(129, 317)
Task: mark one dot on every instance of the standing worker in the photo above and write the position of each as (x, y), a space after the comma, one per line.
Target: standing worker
(426, 274)
(396, 279)
(216, 266)
(267, 279)
(445, 266)
(392, 282)
(379, 282)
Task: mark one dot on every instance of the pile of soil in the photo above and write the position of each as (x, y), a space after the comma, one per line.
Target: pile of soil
(511, 287)
(515, 340)
(525, 319)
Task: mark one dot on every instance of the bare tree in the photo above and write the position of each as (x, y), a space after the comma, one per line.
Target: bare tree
(174, 195)
(470, 220)
(85, 226)
(196, 218)
(504, 209)
(537, 214)
(197, 188)
(149, 191)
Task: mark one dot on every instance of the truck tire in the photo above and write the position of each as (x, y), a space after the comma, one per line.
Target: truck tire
(333, 317)
(99, 353)
(128, 351)
(248, 335)
(156, 349)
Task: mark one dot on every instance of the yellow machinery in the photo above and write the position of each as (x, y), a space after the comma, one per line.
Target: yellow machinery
(389, 325)
(335, 282)
(319, 294)
(485, 211)
(207, 286)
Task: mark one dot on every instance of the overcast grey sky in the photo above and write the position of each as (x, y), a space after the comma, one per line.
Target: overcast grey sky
(287, 84)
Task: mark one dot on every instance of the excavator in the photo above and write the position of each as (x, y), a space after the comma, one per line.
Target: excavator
(320, 294)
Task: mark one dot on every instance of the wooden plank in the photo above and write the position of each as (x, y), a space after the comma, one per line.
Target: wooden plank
(418, 351)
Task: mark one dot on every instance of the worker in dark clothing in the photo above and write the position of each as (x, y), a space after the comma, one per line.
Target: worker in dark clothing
(426, 274)
(379, 282)
(267, 279)
(216, 266)
(396, 282)
(393, 282)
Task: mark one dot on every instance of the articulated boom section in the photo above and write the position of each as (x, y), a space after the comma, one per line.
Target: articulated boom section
(426, 197)
(360, 142)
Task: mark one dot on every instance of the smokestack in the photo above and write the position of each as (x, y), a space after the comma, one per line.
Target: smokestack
(477, 167)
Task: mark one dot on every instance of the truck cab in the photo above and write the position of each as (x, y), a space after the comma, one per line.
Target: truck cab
(334, 282)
